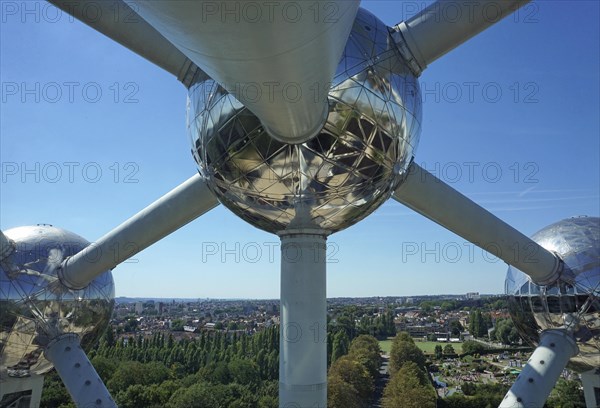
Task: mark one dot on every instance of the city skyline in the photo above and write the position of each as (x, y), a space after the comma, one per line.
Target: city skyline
(87, 142)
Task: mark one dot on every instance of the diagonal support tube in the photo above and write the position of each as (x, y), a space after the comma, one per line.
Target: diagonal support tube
(445, 25)
(277, 58)
(120, 22)
(77, 373)
(549, 359)
(172, 211)
(431, 197)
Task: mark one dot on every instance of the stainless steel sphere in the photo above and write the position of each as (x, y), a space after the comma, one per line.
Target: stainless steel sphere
(337, 178)
(35, 306)
(535, 308)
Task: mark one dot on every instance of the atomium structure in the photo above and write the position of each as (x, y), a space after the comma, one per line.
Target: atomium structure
(303, 164)
(339, 176)
(572, 304)
(37, 310)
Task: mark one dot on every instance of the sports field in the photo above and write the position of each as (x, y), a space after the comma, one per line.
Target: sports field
(428, 347)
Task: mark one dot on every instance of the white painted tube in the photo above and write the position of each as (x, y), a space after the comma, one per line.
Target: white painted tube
(446, 24)
(431, 197)
(303, 335)
(119, 21)
(77, 373)
(277, 58)
(172, 211)
(549, 359)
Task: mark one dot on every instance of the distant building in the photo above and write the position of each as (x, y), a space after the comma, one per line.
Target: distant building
(418, 331)
(473, 295)
(139, 307)
(409, 301)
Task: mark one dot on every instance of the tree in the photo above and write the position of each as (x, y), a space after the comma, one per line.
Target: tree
(177, 325)
(472, 347)
(448, 306)
(267, 401)
(404, 351)
(132, 372)
(340, 345)
(365, 349)
(340, 394)
(449, 350)
(54, 393)
(506, 332)
(479, 323)
(456, 328)
(345, 323)
(403, 336)
(196, 396)
(205, 395)
(108, 338)
(139, 395)
(426, 306)
(244, 372)
(105, 367)
(438, 351)
(355, 374)
(409, 387)
(131, 325)
(566, 394)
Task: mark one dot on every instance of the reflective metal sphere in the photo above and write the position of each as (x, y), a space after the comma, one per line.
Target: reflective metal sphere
(337, 178)
(35, 306)
(535, 308)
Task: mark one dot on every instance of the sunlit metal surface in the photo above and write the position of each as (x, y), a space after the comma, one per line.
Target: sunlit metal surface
(335, 179)
(535, 308)
(35, 306)
(261, 55)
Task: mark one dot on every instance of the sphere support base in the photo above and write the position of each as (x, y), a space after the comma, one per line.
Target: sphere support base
(303, 332)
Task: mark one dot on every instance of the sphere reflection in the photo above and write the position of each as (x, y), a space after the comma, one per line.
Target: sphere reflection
(35, 306)
(337, 178)
(535, 308)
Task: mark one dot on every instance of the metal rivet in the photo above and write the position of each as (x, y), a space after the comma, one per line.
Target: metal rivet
(519, 399)
(542, 362)
(77, 365)
(87, 382)
(67, 348)
(530, 380)
(98, 401)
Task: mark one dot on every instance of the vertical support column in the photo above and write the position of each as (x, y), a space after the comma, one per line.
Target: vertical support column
(303, 333)
(11, 385)
(36, 391)
(77, 373)
(591, 387)
(549, 359)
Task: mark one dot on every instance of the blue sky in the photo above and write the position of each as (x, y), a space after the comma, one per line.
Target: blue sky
(511, 119)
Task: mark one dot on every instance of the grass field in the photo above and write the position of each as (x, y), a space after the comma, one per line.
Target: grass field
(427, 347)
(386, 346)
